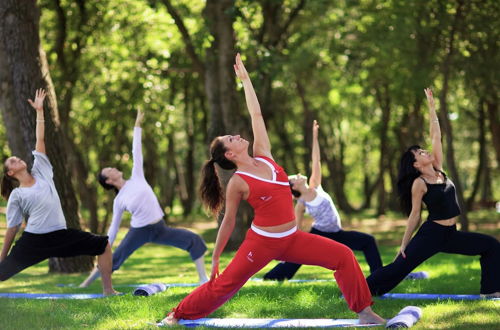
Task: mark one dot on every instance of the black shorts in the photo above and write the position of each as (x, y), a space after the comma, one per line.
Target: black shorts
(31, 249)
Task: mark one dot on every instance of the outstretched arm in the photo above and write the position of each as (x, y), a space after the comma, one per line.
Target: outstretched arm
(261, 144)
(299, 215)
(137, 168)
(435, 131)
(315, 179)
(234, 195)
(10, 234)
(40, 120)
(418, 190)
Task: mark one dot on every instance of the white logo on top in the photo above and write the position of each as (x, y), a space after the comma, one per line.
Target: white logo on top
(250, 256)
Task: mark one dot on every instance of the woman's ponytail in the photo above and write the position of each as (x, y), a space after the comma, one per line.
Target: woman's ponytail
(8, 183)
(210, 188)
(406, 175)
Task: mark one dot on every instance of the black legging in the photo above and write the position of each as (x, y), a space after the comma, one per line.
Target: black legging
(353, 239)
(432, 238)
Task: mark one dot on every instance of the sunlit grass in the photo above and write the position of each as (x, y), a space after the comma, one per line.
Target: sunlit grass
(154, 263)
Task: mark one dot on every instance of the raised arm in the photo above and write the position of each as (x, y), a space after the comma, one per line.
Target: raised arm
(299, 215)
(138, 167)
(315, 178)
(40, 120)
(10, 234)
(234, 194)
(115, 222)
(261, 144)
(418, 190)
(435, 131)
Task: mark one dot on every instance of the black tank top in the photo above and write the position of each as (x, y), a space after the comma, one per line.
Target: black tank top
(441, 200)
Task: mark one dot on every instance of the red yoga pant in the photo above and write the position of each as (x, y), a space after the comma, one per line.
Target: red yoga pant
(257, 251)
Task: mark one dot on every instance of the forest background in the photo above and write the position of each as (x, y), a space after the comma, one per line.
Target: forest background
(358, 67)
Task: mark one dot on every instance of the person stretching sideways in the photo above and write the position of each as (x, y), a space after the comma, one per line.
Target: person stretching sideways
(33, 196)
(273, 233)
(318, 203)
(136, 196)
(421, 179)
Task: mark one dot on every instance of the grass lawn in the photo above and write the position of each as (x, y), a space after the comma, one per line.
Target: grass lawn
(153, 263)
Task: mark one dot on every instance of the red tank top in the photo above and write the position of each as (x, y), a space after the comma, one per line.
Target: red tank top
(270, 199)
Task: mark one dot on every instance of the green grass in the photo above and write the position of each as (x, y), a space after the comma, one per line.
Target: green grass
(154, 263)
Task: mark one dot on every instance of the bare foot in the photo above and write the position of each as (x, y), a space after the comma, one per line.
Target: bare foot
(368, 316)
(491, 295)
(170, 319)
(111, 292)
(84, 284)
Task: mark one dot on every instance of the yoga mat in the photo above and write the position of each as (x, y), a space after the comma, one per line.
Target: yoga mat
(417, 276)
(72, 285)
(434, 296)
(52, 295)
(406, 318)
(150, 289)
(258, 279)
(272, 323)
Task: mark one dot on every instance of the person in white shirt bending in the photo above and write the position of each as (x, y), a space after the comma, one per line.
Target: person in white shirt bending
(33, 196)
(136, 196)
(318, 203)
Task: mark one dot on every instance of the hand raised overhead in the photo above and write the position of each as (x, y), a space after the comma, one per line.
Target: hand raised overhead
(240, 69)
(39, 97)
(139, 118)
(430, 98)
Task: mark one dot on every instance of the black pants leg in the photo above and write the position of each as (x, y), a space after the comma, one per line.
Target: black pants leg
(487, 247)
(429, 240)
(31, 249)
(18, 260)
(357, 241)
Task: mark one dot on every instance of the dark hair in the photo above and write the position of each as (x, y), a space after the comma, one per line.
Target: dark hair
(210, 187)
(295, 193)
(102, 180)
(9, 183)
(406, 175)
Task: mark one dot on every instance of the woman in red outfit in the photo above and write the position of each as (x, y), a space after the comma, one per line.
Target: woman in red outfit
(273, 234)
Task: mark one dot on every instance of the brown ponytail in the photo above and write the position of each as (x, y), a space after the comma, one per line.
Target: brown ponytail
(8, 183)
(210, 187)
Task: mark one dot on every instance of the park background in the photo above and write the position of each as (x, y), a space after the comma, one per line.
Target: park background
(358, 67)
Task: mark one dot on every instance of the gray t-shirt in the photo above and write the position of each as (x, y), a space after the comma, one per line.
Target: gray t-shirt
(38, 204)
(323, 211)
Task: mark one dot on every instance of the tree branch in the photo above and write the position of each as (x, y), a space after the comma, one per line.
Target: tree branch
(60, 35)
(198, 64)
(293, 15)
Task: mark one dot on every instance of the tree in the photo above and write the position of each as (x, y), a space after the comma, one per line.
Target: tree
(27, 70)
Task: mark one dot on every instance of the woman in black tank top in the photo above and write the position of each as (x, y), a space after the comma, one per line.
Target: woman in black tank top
(421, 179)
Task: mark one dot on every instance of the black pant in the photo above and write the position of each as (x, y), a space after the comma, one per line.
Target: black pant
(31, 249)
(353, 239)
(432, 238)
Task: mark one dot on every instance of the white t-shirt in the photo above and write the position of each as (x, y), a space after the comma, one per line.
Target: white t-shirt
(38, 204)
(136, 196)
(323, 211)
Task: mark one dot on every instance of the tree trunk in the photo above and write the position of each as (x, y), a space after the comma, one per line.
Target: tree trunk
(444, 118)
(382, 93)
(336, 168)
(494, 119)
(225, 113)
(483, 157)
(27, 71)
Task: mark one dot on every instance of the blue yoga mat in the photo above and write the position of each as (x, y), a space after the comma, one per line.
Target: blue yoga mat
(273, 323)
(150, 289)
(434, 296)
(52, 295)
(406, 318)
(417, 276)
